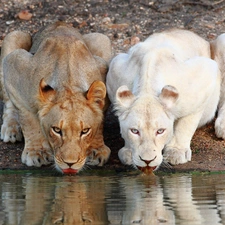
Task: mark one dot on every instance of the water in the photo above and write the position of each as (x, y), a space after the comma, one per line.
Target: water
(33, 199)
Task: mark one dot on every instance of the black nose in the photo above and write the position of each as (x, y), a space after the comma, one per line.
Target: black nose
(70, 164)
(147, 161)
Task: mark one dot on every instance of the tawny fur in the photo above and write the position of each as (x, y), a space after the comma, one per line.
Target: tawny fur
(53, 89)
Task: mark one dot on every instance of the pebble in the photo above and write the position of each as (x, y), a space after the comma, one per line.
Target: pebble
(9, 22)
(106, 20)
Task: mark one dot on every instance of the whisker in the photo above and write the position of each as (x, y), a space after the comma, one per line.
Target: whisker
(165, 165)
(85, 168)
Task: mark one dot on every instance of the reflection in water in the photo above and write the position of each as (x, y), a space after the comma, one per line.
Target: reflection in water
(171, 199)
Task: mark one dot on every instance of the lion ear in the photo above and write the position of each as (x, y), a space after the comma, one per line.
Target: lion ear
(46, 92)
(124, 99)
(168, 96)
(97, 93)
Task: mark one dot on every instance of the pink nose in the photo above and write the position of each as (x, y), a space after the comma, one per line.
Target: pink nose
(147, 161)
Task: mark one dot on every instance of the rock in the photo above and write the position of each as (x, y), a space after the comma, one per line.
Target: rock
(24, 15)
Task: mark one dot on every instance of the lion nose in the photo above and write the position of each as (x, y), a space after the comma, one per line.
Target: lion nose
(147, 161)
(69, 164)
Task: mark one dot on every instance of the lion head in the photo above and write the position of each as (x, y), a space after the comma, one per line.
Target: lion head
(146, 125)
(70, 121)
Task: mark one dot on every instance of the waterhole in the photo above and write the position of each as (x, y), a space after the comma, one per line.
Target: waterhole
(33, 199)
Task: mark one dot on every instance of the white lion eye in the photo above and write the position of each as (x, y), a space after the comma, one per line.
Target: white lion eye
(160, 131)
(135, 131)
(57, 130)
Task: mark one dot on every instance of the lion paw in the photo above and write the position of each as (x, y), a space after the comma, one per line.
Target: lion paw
(98, 157)
(125, 156)
(177, 156)
(11, 131)
(32, 157)
(220, 127)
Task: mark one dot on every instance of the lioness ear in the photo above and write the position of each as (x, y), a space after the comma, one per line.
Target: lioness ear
(168, 96)
(97, 93)
(46, 92)
(124, 98)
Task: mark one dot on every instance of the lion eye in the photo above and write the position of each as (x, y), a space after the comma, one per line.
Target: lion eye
(85, 131)
(57, 130)
(160, 131)
(135, 131)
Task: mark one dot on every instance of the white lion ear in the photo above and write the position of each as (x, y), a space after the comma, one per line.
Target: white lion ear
(124, 99)
(168, 96)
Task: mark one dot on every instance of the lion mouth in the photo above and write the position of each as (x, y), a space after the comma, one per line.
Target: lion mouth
(70, 171)
(147, 169)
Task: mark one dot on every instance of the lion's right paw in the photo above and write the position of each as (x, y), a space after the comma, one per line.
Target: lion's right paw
(177, 156)
(32, 157)
(125, 156)
(98, 157)
(11, 131)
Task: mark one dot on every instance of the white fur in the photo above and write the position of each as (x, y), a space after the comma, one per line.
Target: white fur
(218, 47)
(166, 83)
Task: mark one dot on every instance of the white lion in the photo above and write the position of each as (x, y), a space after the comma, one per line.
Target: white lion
(163, 89)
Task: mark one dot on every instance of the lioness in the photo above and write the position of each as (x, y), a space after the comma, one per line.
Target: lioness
(162, 90)
(53, 89)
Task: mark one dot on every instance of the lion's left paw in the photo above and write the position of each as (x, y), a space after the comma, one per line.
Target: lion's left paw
(98, 157)
(177, 156)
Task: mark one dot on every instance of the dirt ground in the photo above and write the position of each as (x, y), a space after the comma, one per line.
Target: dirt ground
(124, 22)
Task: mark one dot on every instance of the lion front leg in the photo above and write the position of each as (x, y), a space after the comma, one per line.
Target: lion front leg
(10, 129)
(98, 153)
(220, 120)
(37, 151)
(217, 53)
(178, 150)
(220, 123)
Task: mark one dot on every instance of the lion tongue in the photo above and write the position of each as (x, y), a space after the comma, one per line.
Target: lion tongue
(70, 171)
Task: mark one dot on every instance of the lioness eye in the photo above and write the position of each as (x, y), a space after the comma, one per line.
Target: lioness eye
(160, 131)
(85, 131)
(57, 130)
(135, 131)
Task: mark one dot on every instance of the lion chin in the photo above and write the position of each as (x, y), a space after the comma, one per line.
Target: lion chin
(55, 96)
(70, 171)
(148, 170)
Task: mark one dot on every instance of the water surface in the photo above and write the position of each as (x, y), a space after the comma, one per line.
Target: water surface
(33, 199)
